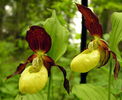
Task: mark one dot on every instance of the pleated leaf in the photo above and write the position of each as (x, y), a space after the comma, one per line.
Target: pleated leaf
(90, 92)
(36, 96)
(116, 34)
(59, 35)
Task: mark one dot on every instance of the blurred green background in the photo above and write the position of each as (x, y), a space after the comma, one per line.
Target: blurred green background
(17, 15)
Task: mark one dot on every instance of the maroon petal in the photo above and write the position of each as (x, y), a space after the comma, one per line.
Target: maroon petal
(38, 39)
(103, 44)
(117, 65)
(104, 57)
(49, 62)
(22, 66)
(91, 21)
(107, 57)
(104, 53)
(66, 81)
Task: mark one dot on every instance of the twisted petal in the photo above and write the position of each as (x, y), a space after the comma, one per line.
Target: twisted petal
(66, 81)
(117, 65)
(22, 66)
(48, 63)
(91, 21)
(38, 39)
(105, 53)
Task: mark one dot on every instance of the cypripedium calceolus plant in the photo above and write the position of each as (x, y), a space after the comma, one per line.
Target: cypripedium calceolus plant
(98, 53)
(35, 77)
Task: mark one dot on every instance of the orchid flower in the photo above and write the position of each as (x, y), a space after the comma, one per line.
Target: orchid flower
(98, 52)
(35, 77)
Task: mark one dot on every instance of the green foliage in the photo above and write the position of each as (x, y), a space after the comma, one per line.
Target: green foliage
(6, 49)
(36, 96)
(8, 89)
(116, 34)
(116, 87)
(59, 36)
(90, 92)
(5, 45)
(113, 5)
(104, 9)
(17, 14)
(66, 9)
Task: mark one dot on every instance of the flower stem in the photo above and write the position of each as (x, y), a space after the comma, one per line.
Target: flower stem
(83, 41)
(49, 88)
(109, 81)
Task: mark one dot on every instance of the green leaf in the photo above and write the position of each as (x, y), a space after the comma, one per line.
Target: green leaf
(90, 92)
(117, 86)
(116, 34)
(36, 96)
(59, 35)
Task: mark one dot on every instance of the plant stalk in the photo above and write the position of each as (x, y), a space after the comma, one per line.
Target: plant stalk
(109, 81)
(83, 41)
(49, 88)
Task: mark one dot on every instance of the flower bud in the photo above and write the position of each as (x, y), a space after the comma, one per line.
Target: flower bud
(85, 61)
(31, 81)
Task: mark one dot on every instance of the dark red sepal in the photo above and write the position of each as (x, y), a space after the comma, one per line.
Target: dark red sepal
(103, 44)
(22, 66)
(38, 39)
(91, 21)
(48, 63)
(66, 81)
(104, 53)
(117, 65)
